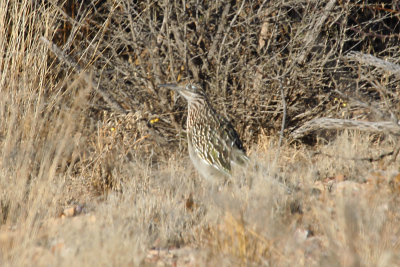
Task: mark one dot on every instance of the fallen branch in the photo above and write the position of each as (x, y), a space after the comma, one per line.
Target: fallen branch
(388, 127)
(371, 60)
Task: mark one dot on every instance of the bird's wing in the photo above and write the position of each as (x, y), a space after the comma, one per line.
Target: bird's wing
(234, 145)
(211, 148)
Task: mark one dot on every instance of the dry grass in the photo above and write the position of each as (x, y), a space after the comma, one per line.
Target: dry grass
(83, 185)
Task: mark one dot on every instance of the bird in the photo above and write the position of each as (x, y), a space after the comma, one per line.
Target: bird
(213, 143)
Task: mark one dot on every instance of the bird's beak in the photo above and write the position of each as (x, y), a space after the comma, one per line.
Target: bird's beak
(172, 86)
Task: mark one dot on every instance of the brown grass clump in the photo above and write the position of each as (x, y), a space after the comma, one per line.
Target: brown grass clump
(93, 161)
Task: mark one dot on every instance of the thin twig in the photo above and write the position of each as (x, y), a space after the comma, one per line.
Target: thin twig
(284, 107)
(370, 159)
(284, 114)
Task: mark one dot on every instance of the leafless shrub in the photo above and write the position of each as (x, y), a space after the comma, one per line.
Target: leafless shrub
(238, 51)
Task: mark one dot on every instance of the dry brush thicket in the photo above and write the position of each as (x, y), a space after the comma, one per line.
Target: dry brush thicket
(93, 164)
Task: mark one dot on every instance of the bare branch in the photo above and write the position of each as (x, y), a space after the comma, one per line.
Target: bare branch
(312, 35)
(72, 64)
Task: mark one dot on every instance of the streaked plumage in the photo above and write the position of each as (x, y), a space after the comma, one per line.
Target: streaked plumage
(213, 143)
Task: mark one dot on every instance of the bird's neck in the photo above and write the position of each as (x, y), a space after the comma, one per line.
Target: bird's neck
(198, 103)
(197, 109)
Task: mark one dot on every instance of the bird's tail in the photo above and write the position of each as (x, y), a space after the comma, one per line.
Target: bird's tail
(240, 158)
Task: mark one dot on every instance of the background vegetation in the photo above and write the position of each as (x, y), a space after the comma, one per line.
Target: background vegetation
(93, 161)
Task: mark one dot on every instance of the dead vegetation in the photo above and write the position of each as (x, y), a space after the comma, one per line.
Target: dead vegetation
(93, 165)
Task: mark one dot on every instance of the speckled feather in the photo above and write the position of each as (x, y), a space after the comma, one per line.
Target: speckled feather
(212, 136)
(213, 142)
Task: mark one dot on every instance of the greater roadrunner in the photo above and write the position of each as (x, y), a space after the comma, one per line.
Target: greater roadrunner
(214, 145)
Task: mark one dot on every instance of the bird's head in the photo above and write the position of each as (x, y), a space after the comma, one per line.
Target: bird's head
(189, 90)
